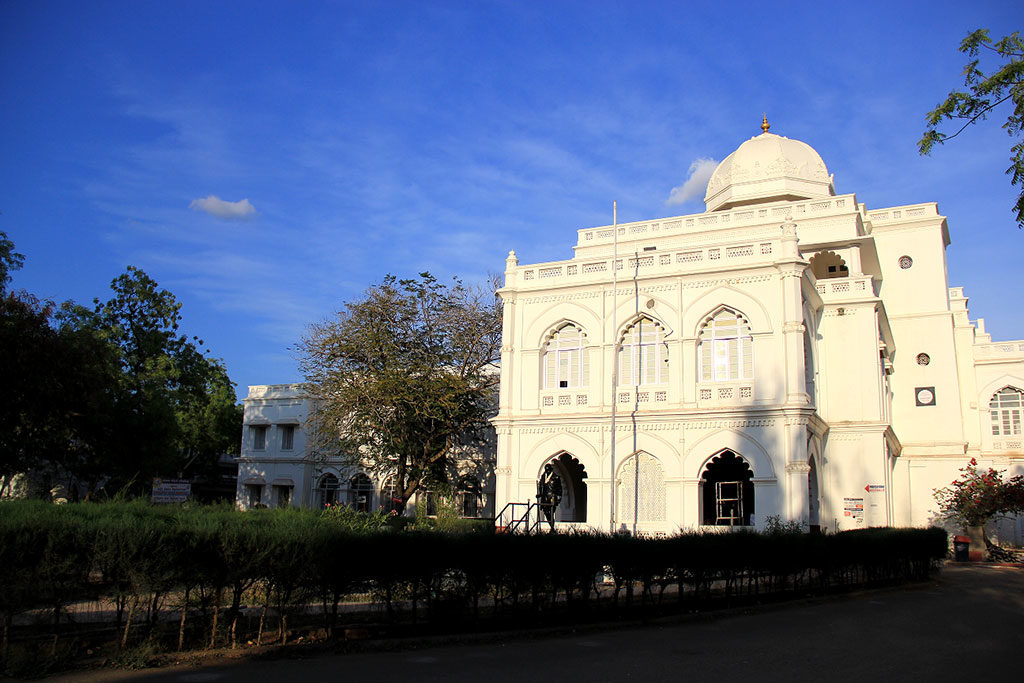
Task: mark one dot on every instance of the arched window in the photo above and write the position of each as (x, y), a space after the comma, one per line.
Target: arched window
(640, 491)
(327, 490)
(360, 492)
(728, 491)
(643, 356)
(565, 359)
(1007, 411)
(725, 348)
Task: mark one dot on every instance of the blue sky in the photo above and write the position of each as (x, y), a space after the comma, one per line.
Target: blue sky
(369, 138)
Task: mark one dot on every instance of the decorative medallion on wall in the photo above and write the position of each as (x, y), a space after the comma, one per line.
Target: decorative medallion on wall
(925, 396)
(923, 359)
(906, 262)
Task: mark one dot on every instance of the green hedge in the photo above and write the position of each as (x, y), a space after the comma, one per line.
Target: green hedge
(201, 565)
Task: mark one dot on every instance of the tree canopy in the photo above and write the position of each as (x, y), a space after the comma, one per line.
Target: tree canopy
(983, 92)
(404, 378)
(110, 395)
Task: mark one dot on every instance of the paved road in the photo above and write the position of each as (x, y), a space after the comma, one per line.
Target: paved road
(968, 625)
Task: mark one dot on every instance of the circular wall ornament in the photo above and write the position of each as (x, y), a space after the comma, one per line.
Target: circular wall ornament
(923, 359)
(925, 396)
(906, 262)
(650, 303)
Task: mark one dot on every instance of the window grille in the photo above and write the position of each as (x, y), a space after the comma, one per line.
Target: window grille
(1007, 411)
(642, 491)
(565, 359)
(327, 490)
(259, 437)
(643, 356)
(360, 492)
(725, 349)
(287, 437)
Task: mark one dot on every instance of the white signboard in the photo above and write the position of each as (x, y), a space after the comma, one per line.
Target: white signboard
(853, 508)
(171, 490)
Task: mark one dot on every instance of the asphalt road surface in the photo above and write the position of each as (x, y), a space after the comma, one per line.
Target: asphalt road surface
(967, 625)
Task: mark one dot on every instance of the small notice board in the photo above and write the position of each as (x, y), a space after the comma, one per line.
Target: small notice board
(171, 490)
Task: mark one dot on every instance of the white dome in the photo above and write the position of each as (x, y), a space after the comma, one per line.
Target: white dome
(768, 167)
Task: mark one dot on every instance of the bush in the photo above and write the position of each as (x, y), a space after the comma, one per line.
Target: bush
(212, 557)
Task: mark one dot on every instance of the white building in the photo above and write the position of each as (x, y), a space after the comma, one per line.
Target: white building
(278, 468)
(788, 352)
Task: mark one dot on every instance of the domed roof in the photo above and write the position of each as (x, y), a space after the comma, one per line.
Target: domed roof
(768, 167)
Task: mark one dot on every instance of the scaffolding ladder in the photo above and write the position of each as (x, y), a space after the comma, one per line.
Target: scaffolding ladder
(729, 503)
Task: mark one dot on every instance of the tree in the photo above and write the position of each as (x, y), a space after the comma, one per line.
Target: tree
(10, 260)
(404, 378)
(982, 95)
(176, 407)
(59, 393)
(975, 497)
(110, 394)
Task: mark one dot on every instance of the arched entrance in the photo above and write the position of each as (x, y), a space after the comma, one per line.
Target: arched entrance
(327, 490)
(571, 478)
(727, 491)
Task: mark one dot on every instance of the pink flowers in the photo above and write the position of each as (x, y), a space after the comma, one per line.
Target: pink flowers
(978, 496)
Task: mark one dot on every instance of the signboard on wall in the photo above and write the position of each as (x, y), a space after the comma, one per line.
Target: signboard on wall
(876, 504)
(171, 490)
(853, 508)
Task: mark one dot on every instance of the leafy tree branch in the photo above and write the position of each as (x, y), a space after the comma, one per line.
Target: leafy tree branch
(983, 94)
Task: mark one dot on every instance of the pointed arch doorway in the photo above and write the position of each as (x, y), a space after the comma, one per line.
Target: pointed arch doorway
(727, 491)
(572, 477)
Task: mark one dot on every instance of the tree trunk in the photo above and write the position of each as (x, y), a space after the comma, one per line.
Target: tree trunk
(128, 623)
(181, 624)
(216, 613)
(978, 547)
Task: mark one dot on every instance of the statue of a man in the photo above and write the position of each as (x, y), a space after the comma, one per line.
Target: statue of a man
(549, 493)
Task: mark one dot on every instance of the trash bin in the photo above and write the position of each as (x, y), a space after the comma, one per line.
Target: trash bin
(962, 548)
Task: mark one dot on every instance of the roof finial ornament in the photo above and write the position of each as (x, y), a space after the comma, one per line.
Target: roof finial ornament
(764, 123)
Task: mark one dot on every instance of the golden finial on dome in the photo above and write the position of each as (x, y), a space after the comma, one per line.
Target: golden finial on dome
(764, 123)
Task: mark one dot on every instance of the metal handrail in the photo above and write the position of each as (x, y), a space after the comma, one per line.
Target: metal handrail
(514, 522)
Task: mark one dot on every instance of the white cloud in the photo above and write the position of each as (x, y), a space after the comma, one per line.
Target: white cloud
(215, 206)
(694, 187)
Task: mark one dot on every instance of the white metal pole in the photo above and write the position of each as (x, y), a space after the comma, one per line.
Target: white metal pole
(615, 356)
